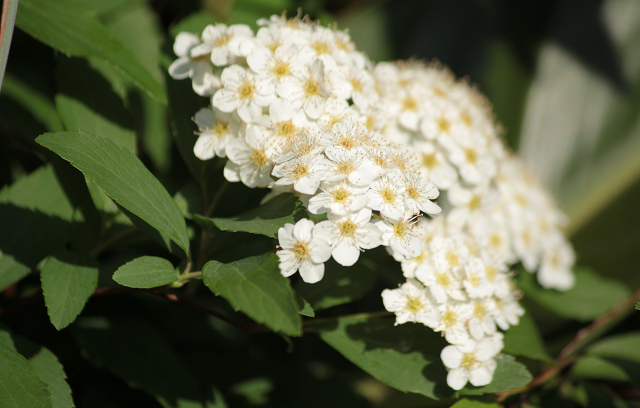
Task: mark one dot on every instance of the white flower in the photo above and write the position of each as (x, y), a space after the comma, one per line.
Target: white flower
(216, 129)
(453, 323)
(250, 159)
(471, 362)
(410, 302)
(387, 197)
(306, 89)
(482, 322)
(435, 166)
(220, 41)
(475, 281)
(273, 67)
(348, 234)
(399, 235)
(243, 92)
(442, 283)
(418, 195)
(302, 250)
(283, 119)
(557, 261)
(508, 311)
(200, 71)
(303, 172)
(339, 198)
(353, 166)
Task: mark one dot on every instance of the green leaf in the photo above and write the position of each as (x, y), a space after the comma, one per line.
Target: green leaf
(38, 104)
(265, 219)
(36, 202)
(625, 346)
(123, 177)
(597, 368)
(591, 296)
(67, 284)
(137, 352)
(524, 340)
(86, 101)
(465, 403)
(255, 287)
(405, 357)
(509, 374)
(304, 307)
(20, 384)
(339, 285)
(631, 368)
(71, 27)
(638, 306)
(146, 272)
(47, 367)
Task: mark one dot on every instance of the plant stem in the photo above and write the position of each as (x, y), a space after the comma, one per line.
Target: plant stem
(567, 355)
(9, 11)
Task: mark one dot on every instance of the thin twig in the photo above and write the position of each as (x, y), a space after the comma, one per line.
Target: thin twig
(251, 328)
(567, 356)
(101, 246)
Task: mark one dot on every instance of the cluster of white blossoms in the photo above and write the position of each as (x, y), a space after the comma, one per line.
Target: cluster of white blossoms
(294, 107)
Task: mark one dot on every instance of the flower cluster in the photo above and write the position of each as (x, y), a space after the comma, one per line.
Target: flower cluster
(456, 287)
(487, 191)
(349, 172)
(294, 107)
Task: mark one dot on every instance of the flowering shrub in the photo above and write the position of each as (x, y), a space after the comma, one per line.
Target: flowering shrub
(369, 209)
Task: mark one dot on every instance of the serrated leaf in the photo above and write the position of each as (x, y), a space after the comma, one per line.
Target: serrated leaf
(255, 287)
(137, 352)
(465, 403)
(71, 27)
(509, 374)
(591, 296)
(124, 178)
(47, 367)
(146, 272)
(339, 285)
(67, 283)
(406, 357)
(86, 101)
(20, 383)
(524, 340)
(263, 220)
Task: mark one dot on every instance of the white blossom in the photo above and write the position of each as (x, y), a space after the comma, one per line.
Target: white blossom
(302, 250)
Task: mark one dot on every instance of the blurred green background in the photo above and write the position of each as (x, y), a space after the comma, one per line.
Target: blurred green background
(564, 79)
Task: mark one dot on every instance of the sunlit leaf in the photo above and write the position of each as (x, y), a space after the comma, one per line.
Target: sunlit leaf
(524, 340)
(146, 272)
(20, 383)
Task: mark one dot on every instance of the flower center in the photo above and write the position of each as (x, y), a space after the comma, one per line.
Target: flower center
(348, 228)
(202, 58)
(466, 118)
(443, 279)
(342, 44)
(311, 88)
(429, 160)
(273, 45)
(400, 229)
(468, 361)
(299, 171)
(452, 258)
(347, 142)
(495, 241)
(474, 203)
(258, 158)
(345, 167)
(474, 280)
(286, 129)
(438, 92)
(443, 125)
(413, 193)
(490, 273)
(222, 40)
(357, 85)
(409, 103)
(370, 122)
(280, 69)
(450, 318)
(340, 195)
(414, 304)
(480, 311)
(245, 91)
(388, 196)
(301, 250)
(320, 47)
(471, 156)
(220, 128)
